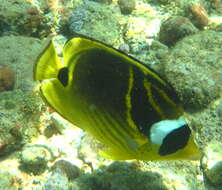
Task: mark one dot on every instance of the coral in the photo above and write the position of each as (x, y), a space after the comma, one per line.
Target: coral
(127, 6)
(7, 78)
(175, 28)
(199, 15)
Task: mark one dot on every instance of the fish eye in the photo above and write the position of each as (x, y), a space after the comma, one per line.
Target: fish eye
(63, 76)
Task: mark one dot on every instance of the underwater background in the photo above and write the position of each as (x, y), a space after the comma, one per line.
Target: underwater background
(180, 39)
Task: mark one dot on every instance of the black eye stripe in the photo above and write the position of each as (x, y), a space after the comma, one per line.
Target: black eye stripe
(63, 76)
(175, 140)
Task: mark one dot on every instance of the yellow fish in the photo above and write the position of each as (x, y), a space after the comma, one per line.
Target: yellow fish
(120, 101)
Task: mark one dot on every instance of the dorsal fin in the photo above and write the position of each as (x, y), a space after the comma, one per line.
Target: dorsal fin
(47, 63)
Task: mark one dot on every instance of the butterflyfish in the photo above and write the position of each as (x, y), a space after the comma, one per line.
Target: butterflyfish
(121, 102)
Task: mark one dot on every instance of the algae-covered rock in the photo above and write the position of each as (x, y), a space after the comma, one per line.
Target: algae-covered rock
(20, 112)
(177, 174)
(175, 28)
(194, 69)
(94, 20)
(8, 141)
(7, 78)
(22, 16)
(206, 123)
(88, 152)
(103, 1)
(34, 158)
(70, 170)
(19, 53)
(124, 48)
(211, 163)
(139, 30)
(216, 6)
(199, 15)
(120, 175)
(20, 107)
(56, 180)
(9, 181)
(127, 6)
(59, 123)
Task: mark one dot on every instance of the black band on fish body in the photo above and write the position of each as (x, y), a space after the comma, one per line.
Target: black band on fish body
(175, 140)
(63, 76)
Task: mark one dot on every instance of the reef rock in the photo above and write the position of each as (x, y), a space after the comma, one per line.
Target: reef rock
(211, 163)
(34, 158)
(127, 6)
(194, 69)
(175, 28)
(7, 78)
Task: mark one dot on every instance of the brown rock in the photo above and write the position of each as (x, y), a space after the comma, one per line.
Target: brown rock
(7, 78)
(199, 15)
(126, 6)
(175, 28)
